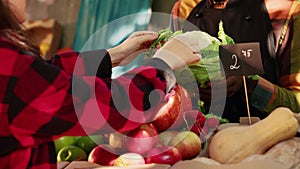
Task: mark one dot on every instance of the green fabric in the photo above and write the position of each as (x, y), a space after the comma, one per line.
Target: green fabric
(285, 98)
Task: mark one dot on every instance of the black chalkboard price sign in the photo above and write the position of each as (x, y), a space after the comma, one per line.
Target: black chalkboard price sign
(241, 59)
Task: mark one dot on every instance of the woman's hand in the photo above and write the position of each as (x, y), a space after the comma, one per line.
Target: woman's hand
(134, 45)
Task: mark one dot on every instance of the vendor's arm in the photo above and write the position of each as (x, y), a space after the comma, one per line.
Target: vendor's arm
(267, 96)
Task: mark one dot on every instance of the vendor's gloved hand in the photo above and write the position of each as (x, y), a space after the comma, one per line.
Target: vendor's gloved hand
(180, 51)
(203, 38)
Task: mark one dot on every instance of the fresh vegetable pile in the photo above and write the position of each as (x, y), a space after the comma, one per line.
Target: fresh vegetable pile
(183, 139)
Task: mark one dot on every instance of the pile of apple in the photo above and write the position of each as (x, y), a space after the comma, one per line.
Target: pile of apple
(176, 133)
(76, 148)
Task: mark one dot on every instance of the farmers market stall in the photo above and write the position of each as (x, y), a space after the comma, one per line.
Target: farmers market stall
(182, 137)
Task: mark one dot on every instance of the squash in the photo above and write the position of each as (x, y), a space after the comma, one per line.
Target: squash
(233, 144)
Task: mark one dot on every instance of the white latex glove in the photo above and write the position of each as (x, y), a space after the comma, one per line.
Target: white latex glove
(203, 38)
(180, 51)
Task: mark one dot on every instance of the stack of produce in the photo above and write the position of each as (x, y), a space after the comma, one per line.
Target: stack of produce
(176, 133)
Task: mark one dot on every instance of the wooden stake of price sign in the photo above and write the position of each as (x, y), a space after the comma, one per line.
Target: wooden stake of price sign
(241, 59)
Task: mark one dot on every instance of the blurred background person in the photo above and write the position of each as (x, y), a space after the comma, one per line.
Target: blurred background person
(272, 23)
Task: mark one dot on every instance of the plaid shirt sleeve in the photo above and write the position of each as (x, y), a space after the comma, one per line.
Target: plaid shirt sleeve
(40, 102)
(268, 96)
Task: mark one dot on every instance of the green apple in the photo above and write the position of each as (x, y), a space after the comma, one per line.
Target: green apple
(71, 153)
(64, 141)
(87, 143)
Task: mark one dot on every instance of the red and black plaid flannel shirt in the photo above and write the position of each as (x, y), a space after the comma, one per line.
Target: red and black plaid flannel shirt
(40, 102)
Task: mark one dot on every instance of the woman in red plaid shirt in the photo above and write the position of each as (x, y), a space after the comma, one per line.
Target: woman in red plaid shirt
(42, 101)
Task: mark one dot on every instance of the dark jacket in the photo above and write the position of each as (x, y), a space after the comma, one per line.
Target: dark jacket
(244, 21)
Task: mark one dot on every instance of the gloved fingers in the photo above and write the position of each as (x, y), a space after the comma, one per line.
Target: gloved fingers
(192, 44)
(203, 38)
(177, 54)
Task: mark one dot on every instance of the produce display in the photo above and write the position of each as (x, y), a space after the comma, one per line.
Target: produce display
(232, 145)
(180, 134)
(181, 139)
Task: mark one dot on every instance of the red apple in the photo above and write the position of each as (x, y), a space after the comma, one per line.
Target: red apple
(103, 154)
(141, 139)
(163, 155)
(209, 127)
(186, 100)
(185, 105)
(195, 120)
(188, 144)
(169, 115)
